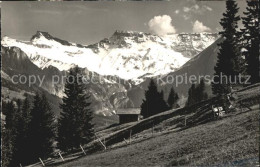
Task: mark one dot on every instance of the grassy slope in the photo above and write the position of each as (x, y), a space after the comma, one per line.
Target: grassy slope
(232, 140)
(204, 141)
(218, 142)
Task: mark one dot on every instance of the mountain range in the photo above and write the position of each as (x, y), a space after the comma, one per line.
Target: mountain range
(121, 65)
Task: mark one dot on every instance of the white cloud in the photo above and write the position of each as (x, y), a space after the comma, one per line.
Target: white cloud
(208, 8)
(161, 25)
(199, 27)
(186, 17)
(186, 9)
(197, 9)
(193, 8)
(177, 11)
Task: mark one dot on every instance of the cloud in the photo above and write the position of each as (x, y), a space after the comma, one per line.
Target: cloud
(199, 27)
(197, 9)
(186, 17)
(177, 11)
(193, 8)
(161, 25)
(186, 9)
(207, 8)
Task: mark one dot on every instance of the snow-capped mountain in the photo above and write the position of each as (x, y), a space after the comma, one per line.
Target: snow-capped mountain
(126, 54)
(132, 56)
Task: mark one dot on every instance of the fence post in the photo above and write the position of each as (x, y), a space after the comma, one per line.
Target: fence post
(130, 136)
(61, 157)
(82, 149)
(125, 141)
(101, 142)
(21, 165)
(41, 161)
(153, 129)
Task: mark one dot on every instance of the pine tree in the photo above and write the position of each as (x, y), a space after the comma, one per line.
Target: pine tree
(173, 99)
(75, 124)
(13, 133)
(41, 129)
(201, 93)
(154, 102)
(197, 93)
(251, 40)
(7, 132)
(21, 142)
(7, 147)
(229, 61)
(10, 115)
(191, 95)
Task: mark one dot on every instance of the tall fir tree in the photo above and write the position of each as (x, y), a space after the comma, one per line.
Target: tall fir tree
(250, 38)
(230, 62)
(197, 93)
(41, 129)
(173, 99)
(191, 95)
(201, 91)
(7, 132)
(6, 150)
(75, 124)
(154, 102)
(21, 142)
(10, 115)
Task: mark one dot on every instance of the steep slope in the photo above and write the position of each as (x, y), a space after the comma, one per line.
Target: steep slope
(203, 145)
(165, 140)
(107, 95)
(200, 65)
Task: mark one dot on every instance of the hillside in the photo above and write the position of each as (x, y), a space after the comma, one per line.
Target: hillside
(231, 141)
(164, 139)
(207, 57)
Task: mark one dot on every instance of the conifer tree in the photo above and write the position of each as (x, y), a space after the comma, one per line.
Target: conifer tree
(173, 99)
(10, 115)
(154, 102)
(41, 129)
(196, 93)
(7, 132)
(21, 141)
(75, 124)
(7, 147)
(191, 95)
(229, 61)
(201, 93)
(251, 40)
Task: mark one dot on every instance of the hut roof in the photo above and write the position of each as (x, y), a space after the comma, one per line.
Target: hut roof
(133, 111)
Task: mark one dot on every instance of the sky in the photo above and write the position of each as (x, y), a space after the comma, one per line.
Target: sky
(90, 22)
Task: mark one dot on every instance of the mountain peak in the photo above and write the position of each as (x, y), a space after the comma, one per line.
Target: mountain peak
(40, 34)
(44, 38)
(125, 33)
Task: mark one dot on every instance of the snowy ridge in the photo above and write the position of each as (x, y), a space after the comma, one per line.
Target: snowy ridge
(129, 55)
